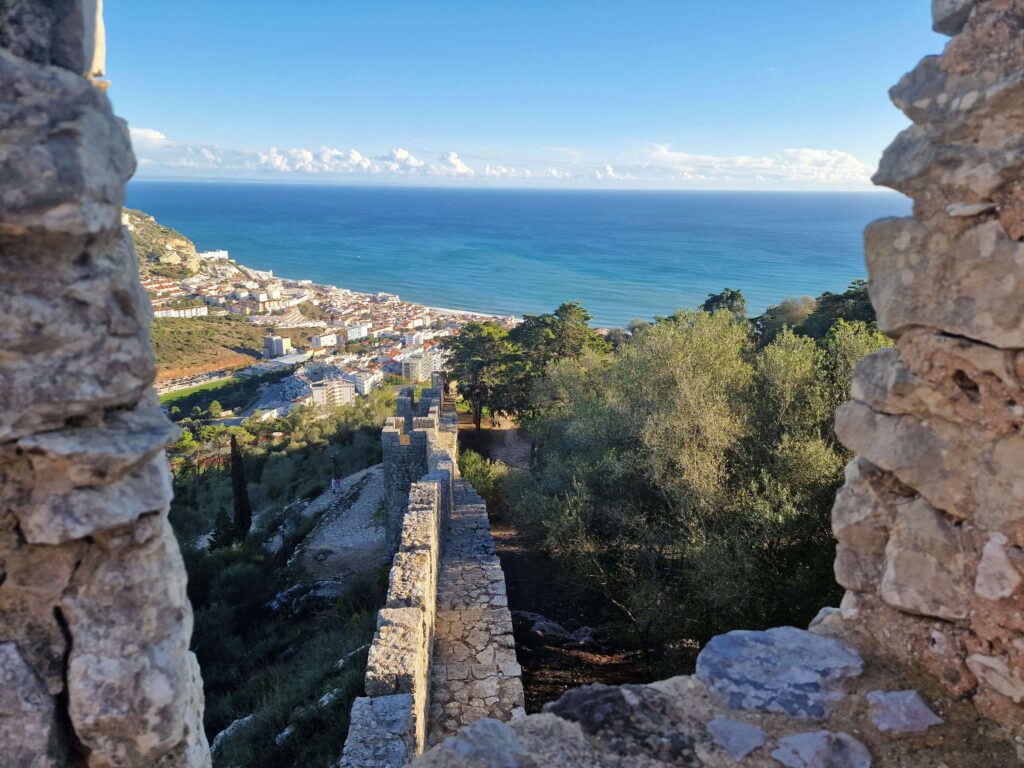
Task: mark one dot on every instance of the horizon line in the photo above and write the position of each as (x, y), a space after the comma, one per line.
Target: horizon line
(873, 190)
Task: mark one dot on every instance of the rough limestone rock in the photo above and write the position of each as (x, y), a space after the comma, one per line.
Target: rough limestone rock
(94, 620)
(940, 417)
(380, 732)
(28, 715)
(925, 564)
(950, 15)
(737, 738)
(980, 271)
(901, 712)
(780, 670)
(822, 749)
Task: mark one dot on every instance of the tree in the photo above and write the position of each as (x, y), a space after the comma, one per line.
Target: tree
(536, 343)
(243, 509)
(224, 533)
(477, 354)
(215, 409)
(788, 313)
(854, 304)
(845, 345)
(730, 299)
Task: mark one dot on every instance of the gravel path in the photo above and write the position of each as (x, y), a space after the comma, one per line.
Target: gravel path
(349, 537)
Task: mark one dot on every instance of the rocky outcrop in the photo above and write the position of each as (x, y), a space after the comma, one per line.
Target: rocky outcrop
(931, 519)
(94, 622)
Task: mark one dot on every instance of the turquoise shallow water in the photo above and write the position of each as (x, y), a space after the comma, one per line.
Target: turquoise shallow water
(623, 254)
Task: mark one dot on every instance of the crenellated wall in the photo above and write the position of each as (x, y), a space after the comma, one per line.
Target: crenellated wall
(389, 725)
(94, 621)
(931, 520)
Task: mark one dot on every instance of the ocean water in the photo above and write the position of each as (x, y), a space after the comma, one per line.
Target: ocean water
(623, 254)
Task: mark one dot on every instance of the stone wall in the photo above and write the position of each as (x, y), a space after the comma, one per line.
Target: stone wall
(388, 725)
(931, 519)
(94, 622)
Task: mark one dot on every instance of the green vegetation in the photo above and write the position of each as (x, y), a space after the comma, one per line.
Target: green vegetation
(688, 471)
(178, 396)
(496, 368)
(312, 311)
(234, 394)
(273, 661)
(205, 341)
(280, 668)
(161, 250)
(285, 459)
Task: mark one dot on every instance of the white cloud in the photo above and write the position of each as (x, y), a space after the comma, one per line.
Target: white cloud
(500, 172)
(609, 172)
(147, 135)
(656, 165)
(401, 161)
(559, 173)
(451, 165)
(790, 165)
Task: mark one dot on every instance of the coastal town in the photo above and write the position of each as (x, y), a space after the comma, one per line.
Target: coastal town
(329, 345)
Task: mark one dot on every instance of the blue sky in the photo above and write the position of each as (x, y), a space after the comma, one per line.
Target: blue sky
(735, 94)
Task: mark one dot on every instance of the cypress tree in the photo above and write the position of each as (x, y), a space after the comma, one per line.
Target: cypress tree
(243, 510)
(224, 533)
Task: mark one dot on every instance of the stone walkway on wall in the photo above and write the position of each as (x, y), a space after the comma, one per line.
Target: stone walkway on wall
(474, 673)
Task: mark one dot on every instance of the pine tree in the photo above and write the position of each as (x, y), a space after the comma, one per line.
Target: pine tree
(243, 510)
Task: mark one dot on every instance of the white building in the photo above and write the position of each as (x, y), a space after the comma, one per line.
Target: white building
(215, 256)
(331, 393)
(364, 381)
(418, 367)
(326, 340)
(202, 311)
(413, 340)
(355, 332)
(276, 346)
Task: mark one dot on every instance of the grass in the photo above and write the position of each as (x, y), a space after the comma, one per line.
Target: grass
(187, 342)
(172, 397)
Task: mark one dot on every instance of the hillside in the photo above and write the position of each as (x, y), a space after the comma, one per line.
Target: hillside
(161, 250)
(188, 346)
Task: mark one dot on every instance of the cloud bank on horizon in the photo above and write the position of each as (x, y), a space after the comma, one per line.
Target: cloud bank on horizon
(653, 165)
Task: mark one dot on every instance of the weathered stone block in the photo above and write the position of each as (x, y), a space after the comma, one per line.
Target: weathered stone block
(66, 158)
(949, 16)
(968, 285)
(398, 657)
(780, 670)
(29, 731)
(74, 322)
(129, 673)
(65, 33)
(380, 733)
(925, 564)
(966, 472)
(861, 516)
(413, 581)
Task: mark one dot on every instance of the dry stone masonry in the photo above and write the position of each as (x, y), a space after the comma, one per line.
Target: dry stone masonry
(94, 622)
(923, 664)
(442, 655)
(931, 519)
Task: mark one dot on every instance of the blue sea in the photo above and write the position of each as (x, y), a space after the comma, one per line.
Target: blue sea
(623, 254)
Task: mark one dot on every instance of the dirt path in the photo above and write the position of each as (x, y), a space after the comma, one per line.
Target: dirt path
(349, 536)
(503, 441)
(537, 585)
